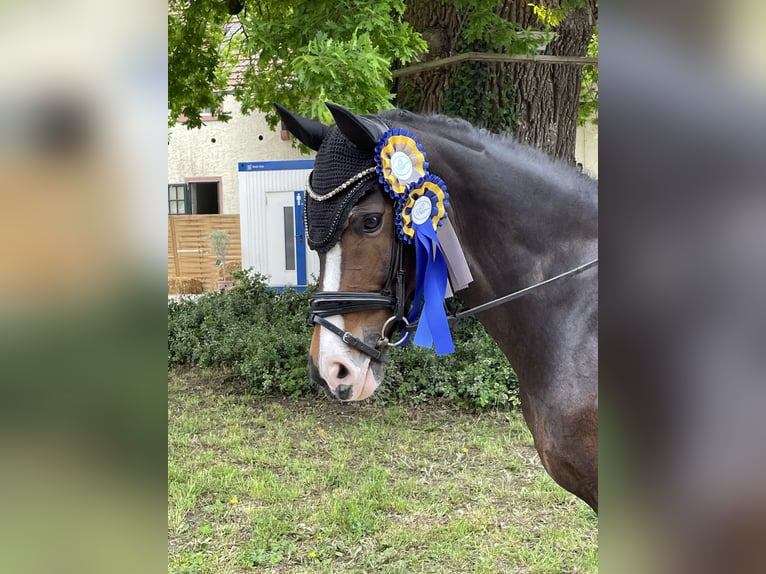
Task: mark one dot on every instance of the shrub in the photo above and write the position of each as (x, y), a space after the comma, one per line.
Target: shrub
(477, 374)
(261, 335)
(249, 331)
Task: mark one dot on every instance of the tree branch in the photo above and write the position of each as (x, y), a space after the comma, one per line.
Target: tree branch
(490, 57)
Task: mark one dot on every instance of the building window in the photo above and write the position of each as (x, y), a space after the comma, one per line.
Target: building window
(205, 197)
(178, 199)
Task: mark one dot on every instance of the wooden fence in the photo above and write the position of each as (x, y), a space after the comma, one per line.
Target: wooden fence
(191, 262)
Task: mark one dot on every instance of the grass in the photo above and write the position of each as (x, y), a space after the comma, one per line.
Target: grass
(308, 485)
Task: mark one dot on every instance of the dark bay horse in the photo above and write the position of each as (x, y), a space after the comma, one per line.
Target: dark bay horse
(520, 218)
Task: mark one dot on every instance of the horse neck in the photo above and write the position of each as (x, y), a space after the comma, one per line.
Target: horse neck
(519, 215)
(520, 218)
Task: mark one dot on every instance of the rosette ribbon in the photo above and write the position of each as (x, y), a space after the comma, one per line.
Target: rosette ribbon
(400, 161)
(421, 203)
(421, 214)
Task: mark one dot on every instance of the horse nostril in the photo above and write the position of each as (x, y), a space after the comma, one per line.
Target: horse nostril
(343, 392)
(342, 372)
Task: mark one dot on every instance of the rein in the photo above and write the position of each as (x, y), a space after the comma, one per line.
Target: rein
(521, 292)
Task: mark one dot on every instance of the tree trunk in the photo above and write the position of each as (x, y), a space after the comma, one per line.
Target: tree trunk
(439, 24)
(547, 95)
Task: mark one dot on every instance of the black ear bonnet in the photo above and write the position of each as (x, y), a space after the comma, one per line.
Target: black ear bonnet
(338, 161)
(344, 169)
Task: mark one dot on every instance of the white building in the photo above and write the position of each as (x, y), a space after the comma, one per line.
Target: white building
(243, 167)
(206, 160)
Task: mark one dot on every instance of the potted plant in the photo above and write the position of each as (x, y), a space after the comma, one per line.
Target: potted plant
(220, 241)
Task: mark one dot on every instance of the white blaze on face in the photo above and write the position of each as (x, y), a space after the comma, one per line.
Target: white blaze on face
(329, 344)
(332, 349)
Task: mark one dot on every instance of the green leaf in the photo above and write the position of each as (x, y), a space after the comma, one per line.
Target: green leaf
(292, 51)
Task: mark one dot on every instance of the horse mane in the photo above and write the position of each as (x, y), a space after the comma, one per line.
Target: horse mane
(473, 137)
(563, 176)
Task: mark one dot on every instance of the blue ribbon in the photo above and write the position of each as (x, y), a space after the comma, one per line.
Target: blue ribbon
(431, 284)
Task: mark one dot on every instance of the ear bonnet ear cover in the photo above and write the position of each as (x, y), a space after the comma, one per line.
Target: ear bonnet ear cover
(309, 132)
(337, 161)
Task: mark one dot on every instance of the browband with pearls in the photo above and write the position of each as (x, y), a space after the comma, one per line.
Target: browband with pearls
(342, 187)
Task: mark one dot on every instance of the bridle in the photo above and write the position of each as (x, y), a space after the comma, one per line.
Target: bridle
(328, 303)
(325, 304)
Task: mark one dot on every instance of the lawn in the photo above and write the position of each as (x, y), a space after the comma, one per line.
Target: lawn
(309, 485)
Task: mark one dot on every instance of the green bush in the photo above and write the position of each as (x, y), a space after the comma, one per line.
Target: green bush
(477, 374)
(249, 331)
(261, 336)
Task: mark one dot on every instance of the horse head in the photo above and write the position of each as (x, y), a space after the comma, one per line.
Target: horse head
(349, 220)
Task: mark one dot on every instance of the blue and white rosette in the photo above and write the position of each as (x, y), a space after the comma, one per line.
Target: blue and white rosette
(400, 161)
(421, 202)
(421, 214)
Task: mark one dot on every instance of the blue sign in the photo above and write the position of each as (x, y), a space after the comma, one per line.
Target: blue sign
(276, 165)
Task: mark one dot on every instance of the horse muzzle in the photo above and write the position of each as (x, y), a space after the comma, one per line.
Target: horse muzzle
(346, 380)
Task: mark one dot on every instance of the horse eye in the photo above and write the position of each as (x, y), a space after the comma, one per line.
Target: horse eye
(372, 222)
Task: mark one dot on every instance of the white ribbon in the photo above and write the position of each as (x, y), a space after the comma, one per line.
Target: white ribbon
(459, 273)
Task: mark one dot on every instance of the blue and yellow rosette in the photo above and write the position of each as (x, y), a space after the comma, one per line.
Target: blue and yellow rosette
(421, 203)
(427, 200)
(400, 161)
(421, 213)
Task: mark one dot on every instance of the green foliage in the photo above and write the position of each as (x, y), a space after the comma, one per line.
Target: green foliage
(220, 241)
(477, 374)
(476, 91)
(297, 52)
(548, 16)
(468, 97)
(261, 336)
(309, 52)
(302, 53)
(198, 66)
(250, 331)
(328, 66)
(481, 23)
(588, 110)
(471, 95)
(552, 16)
